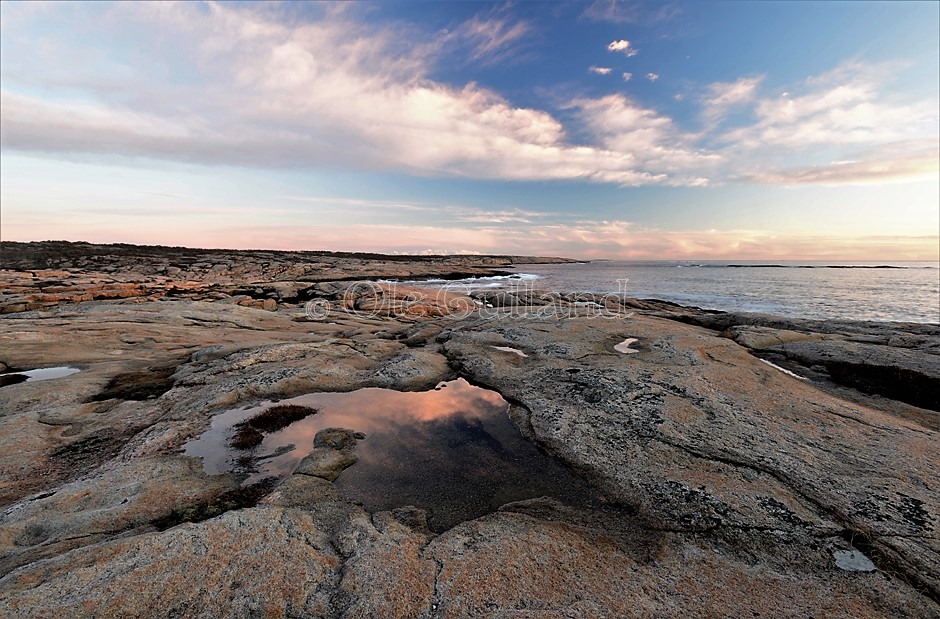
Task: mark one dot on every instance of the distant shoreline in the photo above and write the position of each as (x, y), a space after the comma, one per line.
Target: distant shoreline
(13, 251)
(16, 250)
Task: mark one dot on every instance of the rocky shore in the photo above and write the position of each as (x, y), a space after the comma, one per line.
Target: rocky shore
(747, 465)
(43, 275)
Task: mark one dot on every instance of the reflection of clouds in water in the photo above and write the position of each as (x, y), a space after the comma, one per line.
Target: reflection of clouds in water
(373, 409)
(387, 417)
(452, 446)
(454, 398)
(453, 451)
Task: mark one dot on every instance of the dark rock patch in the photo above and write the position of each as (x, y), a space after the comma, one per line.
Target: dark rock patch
(250, 433)
(902, 384)
(90, 451)
(246, 437)
(913, 511)
(238, 498)
(145, 385)
(12, 379)
(279, 416)
(781, 511)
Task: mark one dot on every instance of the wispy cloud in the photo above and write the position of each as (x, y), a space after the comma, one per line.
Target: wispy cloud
(362, 203)
(493, 38)
(627, 76)
(496, 217)
(841, 107)
(652, 76)
(743, 90)
(599, 70)
(440, 211)
(900, 162)
(720, 97)
(630, 12)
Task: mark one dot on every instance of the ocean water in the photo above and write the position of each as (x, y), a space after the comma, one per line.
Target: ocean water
(883, 291)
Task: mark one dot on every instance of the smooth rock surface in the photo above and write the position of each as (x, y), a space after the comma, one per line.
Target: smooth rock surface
(700, 436)
(227, 567)
(728, 487)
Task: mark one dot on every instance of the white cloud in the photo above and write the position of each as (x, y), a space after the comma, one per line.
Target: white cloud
(308, 94)
(230, 85)
(618, 46)
(651, 141)
(841, 107)
(624, 46)
(599, 70)
(627, 76)
(652, 76)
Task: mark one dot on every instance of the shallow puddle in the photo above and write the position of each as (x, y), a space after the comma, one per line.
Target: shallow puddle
(47, 373)
(624, 346)
(452, 451)
(514, 351)
(784, 370)
(853, 561)
(11, 378)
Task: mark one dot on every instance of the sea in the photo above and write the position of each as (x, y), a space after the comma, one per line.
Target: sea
(880, 291)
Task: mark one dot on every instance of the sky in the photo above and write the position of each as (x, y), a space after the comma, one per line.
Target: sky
(604, 129)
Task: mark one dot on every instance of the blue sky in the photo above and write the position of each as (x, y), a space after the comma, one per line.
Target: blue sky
(589, 129)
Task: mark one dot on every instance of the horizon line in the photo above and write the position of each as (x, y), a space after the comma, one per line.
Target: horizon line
(424, 254)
